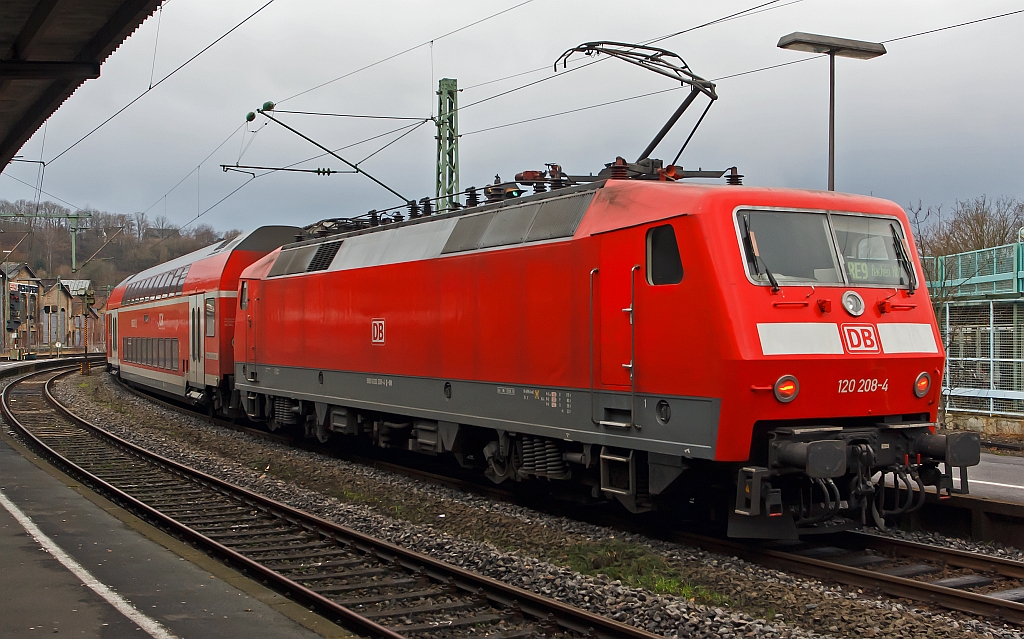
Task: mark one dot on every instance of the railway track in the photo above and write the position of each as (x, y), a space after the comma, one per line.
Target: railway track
(370, 586)
(973, 583)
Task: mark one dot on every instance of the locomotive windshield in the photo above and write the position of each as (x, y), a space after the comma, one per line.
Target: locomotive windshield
(869, 246)
(820, 248)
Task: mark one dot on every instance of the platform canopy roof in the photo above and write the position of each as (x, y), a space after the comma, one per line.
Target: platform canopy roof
(48, 48)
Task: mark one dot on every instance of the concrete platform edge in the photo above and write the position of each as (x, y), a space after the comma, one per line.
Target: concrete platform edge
(290, 609)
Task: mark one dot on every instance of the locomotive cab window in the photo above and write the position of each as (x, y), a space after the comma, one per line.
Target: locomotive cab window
(873, 250)
(211, 316)
(793, 248)
(810, 248)
(663, 263)
(244, 296)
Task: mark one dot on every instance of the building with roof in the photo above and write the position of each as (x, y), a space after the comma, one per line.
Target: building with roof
(56, 307)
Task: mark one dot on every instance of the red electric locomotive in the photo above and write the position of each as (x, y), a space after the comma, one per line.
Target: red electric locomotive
(169, 327)
(648, 339)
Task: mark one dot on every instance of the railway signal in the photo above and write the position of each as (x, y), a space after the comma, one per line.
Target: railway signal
(14, 314)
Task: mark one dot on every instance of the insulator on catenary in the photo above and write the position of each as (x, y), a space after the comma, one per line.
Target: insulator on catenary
(733, 177)
(619, 169)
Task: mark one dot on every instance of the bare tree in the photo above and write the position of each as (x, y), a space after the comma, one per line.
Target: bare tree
(141, 224)
(971, 225)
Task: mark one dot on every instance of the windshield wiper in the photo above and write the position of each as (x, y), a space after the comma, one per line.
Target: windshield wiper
(752, 246)
(903, 259)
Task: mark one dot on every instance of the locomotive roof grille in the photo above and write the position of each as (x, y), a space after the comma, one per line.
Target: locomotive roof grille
(514, 223)
(531, 222)
(324, 256)
(521, 201)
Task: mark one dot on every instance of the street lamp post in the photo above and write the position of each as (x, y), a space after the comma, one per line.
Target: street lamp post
(842, 47)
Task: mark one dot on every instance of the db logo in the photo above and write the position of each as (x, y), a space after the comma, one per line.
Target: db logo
(377, 331)
(861, 338)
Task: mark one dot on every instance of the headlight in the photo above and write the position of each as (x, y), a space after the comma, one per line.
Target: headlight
(853, 303)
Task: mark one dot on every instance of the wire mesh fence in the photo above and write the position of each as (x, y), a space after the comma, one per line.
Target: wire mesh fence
(984, 356)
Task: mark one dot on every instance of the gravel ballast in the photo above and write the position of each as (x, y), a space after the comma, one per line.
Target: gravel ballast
(700, 594)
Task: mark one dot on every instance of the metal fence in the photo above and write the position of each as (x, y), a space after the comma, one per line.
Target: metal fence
(996, 270)
(984, 355)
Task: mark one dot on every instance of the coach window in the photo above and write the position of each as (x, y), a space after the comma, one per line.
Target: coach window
(663, 263)
(211, 316)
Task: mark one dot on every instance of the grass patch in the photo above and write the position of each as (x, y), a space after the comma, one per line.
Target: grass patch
(637, 567)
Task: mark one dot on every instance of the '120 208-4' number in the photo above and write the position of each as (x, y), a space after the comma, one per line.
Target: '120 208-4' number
(863, 385)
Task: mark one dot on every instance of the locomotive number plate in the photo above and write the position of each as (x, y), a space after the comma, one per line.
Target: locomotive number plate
(863, 385)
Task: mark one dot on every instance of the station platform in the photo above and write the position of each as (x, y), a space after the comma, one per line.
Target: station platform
(997, 477)
(73, 563)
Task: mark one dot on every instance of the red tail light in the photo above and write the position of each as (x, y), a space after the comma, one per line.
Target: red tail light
(786, 389)
(922, 384)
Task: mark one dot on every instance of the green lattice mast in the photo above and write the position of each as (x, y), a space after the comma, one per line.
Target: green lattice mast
(447, 177)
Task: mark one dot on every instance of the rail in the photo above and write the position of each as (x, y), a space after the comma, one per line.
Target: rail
(314, 561)
(880, 563)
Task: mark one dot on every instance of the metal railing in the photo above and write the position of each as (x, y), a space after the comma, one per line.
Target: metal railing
(996, 270)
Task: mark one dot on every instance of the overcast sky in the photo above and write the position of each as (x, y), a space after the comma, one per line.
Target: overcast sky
(936, 119)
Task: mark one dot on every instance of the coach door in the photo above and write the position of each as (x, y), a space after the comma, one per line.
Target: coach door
(196, 369)
(247, 305)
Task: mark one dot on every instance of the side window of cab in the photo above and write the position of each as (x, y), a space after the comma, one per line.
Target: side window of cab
(663, 263)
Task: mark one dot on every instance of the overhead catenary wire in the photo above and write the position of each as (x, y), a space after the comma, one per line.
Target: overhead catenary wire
(577, 110)
(733, 75)
(953, 26)
(156, 42)
(739, 14)
(160, 81)
(208, 156)
(764, 6)
(392, 142)
(404, 51)
(33, 187)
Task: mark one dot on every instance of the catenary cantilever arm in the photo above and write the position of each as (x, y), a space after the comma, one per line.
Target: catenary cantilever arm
(265, 113)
